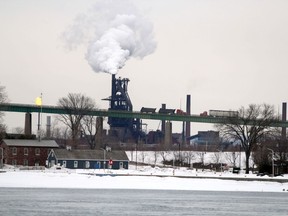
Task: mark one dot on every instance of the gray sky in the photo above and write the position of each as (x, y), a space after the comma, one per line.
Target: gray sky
(225, 53)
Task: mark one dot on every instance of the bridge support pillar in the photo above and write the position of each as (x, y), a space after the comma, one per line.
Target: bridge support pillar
(168, 135)
(188, 124)
(284, 113)
(28, 124)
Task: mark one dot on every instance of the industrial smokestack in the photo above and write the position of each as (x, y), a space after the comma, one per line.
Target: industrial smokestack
(284, 116)
(188, 111)
(113, 91)
(163, 121)
(48, 127)
(28, 124)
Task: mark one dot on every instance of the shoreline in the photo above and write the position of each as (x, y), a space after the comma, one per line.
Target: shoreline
(240, 178)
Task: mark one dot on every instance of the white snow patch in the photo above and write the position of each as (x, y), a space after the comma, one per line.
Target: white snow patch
(144, 177)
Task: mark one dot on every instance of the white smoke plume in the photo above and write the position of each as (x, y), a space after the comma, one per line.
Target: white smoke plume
(113, 32)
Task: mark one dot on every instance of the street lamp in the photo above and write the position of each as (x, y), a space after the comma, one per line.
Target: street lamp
(104, 155)
(272, 161)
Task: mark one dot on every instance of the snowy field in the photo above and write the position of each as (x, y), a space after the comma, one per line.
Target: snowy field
(143, 177)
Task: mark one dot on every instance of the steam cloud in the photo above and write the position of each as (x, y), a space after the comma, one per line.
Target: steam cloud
(113, 31)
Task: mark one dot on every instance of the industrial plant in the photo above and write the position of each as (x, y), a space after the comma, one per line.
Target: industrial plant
(127, 131)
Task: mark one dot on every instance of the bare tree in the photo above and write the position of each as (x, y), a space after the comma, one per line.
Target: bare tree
(201, 156)
(91, 127)
(216, 156)
(18, 130)
(189, 156)
(176, 156)
(232, 157)
(3, 99)
(155, 154)
(164, 155)
(3, 95)
(263, 158)
(2, 132)
(59, 131)
(249, 127)
(76, 105)
(281, 146)
(143, 156)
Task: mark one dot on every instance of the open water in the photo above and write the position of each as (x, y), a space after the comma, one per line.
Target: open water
(86, 202)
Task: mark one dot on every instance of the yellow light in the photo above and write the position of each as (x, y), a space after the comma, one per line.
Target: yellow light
(38, 101)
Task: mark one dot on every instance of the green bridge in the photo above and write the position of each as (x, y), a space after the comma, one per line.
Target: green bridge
(28, 108)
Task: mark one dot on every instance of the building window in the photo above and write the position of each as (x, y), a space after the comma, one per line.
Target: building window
(26, 162)
(64, 164)
(75, 164)
(37, 151)
(98, 166)
(14, 162)
(87, 164)
(14, 151)
(25, 151)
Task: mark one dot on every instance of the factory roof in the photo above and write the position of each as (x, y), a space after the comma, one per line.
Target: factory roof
(31, 143)
(64, 154)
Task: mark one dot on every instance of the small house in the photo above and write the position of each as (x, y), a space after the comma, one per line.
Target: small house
(88, 159)
(22, 152)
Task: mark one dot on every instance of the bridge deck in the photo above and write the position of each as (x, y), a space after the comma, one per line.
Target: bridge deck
(11, 107)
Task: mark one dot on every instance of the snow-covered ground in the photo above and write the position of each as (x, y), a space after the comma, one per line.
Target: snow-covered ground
(144, 177)
(147, 177)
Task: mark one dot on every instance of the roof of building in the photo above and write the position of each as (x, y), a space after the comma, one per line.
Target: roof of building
(31, 143)
(63, 154)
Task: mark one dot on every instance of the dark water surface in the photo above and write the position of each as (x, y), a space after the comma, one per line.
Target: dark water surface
(86, 202)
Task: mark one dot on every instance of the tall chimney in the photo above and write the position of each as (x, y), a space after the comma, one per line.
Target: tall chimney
(28, 124)
(163, 121)
(188, 111)
(284, 115)
(48, 127)
(113, 91)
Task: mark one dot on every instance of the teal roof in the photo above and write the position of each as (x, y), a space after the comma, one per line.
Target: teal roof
(63, 154)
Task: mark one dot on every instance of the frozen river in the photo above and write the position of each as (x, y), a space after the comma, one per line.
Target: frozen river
(30, 201)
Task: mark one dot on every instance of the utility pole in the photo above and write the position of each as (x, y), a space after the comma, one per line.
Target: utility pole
(104, 156)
